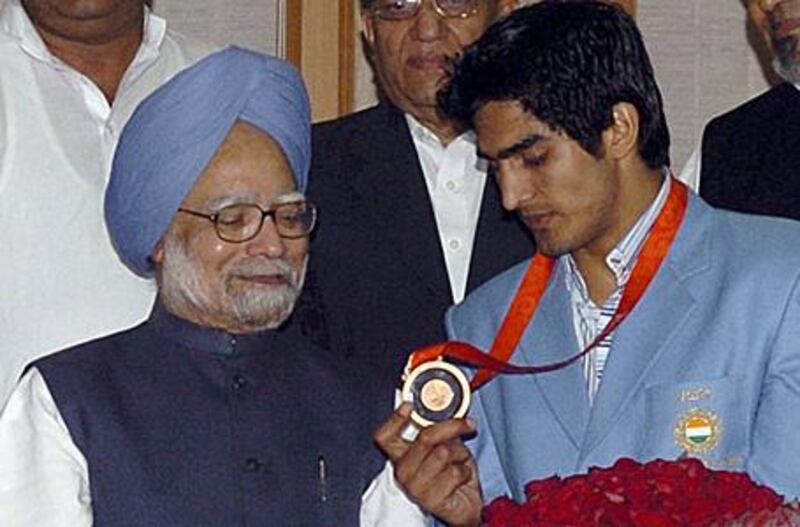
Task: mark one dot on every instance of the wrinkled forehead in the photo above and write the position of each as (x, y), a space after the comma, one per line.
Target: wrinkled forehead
(248, 167)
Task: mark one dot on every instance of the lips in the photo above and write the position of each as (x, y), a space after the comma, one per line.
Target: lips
(537, 220)
(427, 62)
(267, 279)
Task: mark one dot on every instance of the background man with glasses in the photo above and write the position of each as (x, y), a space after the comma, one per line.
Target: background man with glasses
(213, 411)
(409, 222)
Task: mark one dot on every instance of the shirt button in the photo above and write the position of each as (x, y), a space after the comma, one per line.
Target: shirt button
(252, 464)
(451, 186)
(238, 382)
(455, 244)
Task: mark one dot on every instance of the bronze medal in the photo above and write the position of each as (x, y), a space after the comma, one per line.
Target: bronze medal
(438, 390)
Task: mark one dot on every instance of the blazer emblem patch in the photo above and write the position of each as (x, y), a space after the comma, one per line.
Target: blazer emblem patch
(698, 431)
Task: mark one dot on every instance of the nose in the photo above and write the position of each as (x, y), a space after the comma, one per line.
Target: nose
(267, 242)
(515, 188)
(428, 23)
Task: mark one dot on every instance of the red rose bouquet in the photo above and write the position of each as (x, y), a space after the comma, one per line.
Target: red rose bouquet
(656, 494)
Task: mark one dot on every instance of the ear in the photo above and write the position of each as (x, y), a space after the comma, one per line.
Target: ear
(157, 256)
(757, 11)
(621, 139)
(368, 27)
(628, 5)
(504, 7)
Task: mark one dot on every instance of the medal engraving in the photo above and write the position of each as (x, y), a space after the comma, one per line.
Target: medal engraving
(436, 395)
(438, 390)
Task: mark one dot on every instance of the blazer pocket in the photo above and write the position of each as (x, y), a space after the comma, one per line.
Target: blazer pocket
(703, 419)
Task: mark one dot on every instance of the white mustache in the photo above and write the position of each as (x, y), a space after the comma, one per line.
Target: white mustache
(260, 267)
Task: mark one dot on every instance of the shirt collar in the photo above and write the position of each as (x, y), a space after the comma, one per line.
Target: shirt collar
(15, 22)
(189, 335)
(425, 135)
(622, 257)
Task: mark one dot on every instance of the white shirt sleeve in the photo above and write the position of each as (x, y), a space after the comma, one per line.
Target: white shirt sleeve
(384, 504)
(44, 478)
(690, 174)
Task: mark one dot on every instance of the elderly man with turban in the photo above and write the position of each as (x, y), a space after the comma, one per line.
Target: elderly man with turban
(214, 411)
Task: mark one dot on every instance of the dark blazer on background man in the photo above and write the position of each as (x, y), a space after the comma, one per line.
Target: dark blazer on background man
(751, 156)
(377, 272)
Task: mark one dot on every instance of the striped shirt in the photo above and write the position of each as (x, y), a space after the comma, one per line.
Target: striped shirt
(588, 318)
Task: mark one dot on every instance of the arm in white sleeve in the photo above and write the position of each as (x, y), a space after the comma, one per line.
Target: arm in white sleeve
(384, 504)
(44, 478)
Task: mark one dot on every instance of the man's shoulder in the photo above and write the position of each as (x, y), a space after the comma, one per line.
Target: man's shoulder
(371, 120)
(87, 358)
(187, 50)
(489, 302)
(779, 101)
(761, 236)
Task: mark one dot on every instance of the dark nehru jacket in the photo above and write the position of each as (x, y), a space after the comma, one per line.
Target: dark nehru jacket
(751, 156)
(377, 266)
(187, 426)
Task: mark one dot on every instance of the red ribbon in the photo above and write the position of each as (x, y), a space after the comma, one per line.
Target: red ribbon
(532, 288)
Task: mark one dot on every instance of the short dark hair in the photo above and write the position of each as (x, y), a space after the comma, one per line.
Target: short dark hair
(567, 63)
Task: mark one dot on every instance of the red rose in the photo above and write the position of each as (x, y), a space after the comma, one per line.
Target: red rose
(656, 494)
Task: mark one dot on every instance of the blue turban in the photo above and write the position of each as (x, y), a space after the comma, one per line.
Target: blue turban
(174, 133)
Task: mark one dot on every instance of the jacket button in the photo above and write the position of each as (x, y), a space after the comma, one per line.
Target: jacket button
(252, 465)
(238, 382)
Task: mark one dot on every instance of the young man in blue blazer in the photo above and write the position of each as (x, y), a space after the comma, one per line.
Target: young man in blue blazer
(706, 363)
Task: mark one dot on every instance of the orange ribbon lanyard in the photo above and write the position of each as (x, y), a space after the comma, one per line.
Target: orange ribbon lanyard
(532, 288)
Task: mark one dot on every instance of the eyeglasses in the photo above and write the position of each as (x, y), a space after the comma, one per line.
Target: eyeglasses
(242, 222)
(404, 9)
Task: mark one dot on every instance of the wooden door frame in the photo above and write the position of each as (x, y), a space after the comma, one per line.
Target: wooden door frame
(300, 49)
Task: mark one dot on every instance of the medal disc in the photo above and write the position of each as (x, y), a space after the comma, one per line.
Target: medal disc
(438, 390)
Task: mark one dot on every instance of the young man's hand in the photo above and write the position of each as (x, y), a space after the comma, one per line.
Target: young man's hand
(436, 470)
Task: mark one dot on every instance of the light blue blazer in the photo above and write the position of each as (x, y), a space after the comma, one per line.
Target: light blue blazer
(717, 332)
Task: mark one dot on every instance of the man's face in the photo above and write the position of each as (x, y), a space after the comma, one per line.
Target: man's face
(84, 20)
(239, 287)
(566, 197)
(409, 55)
(779, 21)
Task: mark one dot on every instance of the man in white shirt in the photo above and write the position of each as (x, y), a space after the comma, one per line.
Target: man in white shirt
(71, 74)
(748, 158)
(409, 222)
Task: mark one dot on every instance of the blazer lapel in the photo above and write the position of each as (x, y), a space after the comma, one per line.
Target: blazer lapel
(551, 338)
(646, 334)
(393, 187)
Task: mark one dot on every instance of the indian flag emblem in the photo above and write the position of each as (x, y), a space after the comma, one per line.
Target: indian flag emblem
(698, 431)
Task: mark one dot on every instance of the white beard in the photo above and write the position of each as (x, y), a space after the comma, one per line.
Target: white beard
(230, 303)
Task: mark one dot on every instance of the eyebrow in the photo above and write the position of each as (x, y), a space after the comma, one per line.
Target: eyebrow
(230, 199)
(516, 148)
(289, 196)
